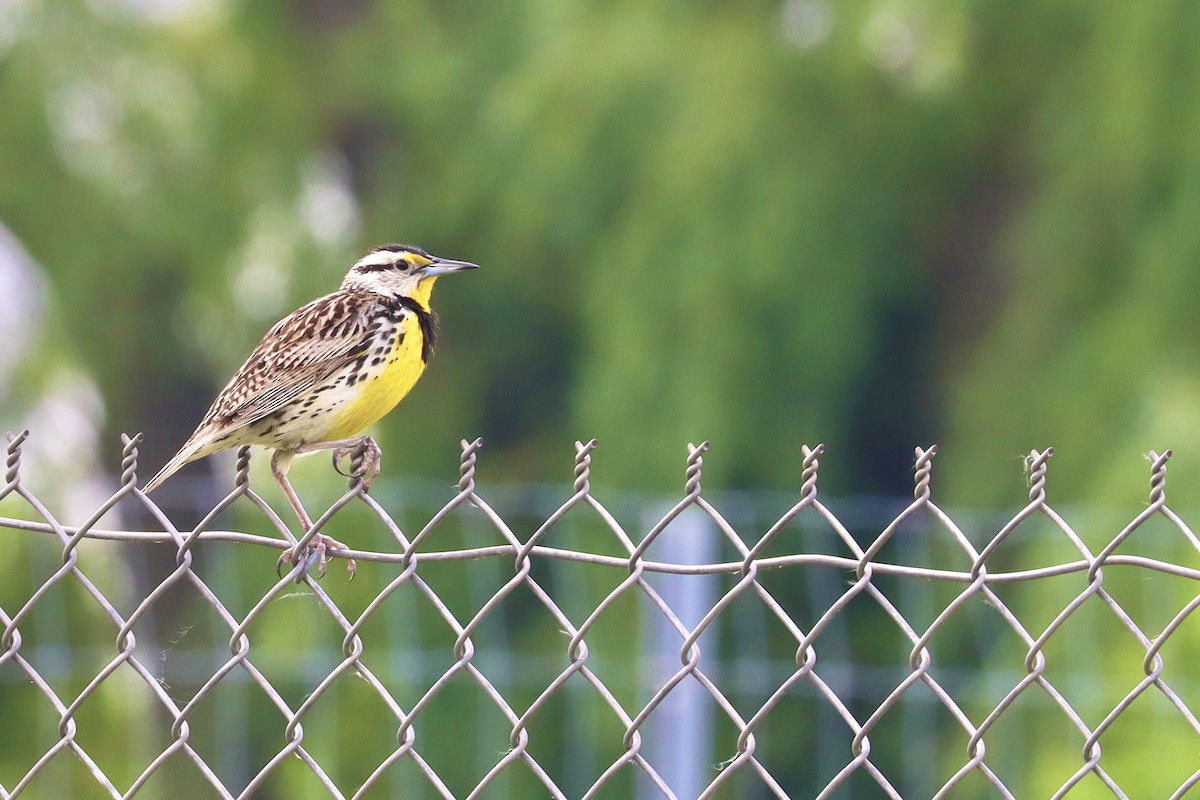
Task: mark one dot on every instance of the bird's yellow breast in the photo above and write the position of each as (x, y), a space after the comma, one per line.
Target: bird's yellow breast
(383, 384)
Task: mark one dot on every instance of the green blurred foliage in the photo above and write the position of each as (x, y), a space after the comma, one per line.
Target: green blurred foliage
(941, 221)
(691, 228)
(1089, 348)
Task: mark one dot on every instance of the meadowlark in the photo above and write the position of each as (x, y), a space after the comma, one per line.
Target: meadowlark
(326, 372)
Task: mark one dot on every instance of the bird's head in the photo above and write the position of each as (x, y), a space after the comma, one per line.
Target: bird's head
(401, 269)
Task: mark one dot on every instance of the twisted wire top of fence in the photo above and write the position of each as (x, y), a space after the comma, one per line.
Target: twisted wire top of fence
(749, 755)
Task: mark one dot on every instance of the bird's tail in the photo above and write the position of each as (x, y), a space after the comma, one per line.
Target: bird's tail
(189, 452)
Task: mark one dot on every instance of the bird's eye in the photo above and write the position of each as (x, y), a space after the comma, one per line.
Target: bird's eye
(403, 265)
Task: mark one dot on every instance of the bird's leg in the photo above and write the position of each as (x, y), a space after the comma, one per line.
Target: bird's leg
(280, 463)
(316, 551)
(361, 449)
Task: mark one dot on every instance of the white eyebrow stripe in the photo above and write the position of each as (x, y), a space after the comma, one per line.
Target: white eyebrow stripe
(383, 258)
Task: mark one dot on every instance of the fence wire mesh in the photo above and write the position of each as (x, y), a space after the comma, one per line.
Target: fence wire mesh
(994, 652)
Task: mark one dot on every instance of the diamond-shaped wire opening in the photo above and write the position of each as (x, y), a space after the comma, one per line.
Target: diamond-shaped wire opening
(1033, 605)
(694, 534)
(613, 635)
(794, 740)
(122, 724)
(1033, 721)
(625, 781)
(920, 540)
(976, 784)
(1039, 541)
(24, 701)
(465, 751)
(1150, 724)
(944, 749)
(1093, 635)
(293, 777)
(1151, 596)
(1179, 653)
(406, 642)
(174, 771)
(406, 775)
(588, 529)
(234, 726)
(345, 730)
(1090, 783)
(575, 734)
(65, 775)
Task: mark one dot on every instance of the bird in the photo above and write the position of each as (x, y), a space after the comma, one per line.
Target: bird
(326, 372)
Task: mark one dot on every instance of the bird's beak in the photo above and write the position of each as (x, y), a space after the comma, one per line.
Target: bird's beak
(444, 266)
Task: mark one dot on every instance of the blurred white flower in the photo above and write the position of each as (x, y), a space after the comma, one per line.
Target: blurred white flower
(327, 202)
(22, 299)
(263, 272)
(13, 16)
(62, 407)
(193, 13)
(807, 23)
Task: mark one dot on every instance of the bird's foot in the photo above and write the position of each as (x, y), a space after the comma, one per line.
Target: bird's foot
(317, 552)
(365, 458)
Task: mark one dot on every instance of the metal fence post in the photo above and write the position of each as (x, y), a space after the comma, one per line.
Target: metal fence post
(678, 736)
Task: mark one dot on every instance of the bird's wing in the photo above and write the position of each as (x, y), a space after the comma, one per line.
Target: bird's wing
(297, 354)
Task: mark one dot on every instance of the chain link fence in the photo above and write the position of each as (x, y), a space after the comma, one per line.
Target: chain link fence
(561, 652)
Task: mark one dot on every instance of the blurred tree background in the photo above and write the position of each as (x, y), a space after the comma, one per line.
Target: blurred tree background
(869, 223)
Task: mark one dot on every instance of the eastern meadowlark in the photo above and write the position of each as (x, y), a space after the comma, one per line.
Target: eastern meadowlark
(327, 371)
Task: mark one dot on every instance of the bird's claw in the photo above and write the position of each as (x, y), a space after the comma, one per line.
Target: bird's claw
(315, 553)
(365, 458)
